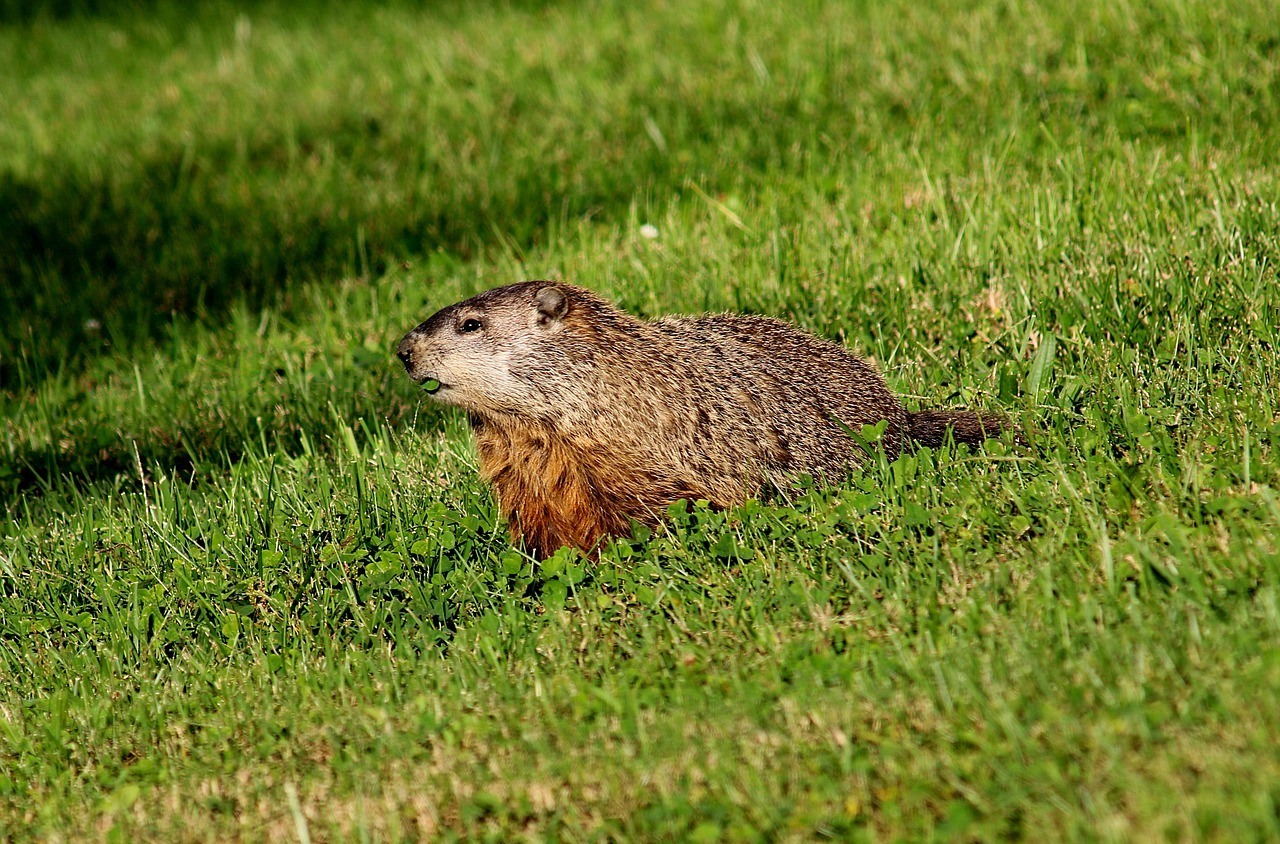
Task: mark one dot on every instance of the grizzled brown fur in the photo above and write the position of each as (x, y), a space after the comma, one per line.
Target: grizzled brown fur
(586, 417)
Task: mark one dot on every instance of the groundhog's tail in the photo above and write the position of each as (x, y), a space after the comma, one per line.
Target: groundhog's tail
(930, 427)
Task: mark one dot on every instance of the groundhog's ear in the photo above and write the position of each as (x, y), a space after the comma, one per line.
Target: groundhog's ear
(552, 305)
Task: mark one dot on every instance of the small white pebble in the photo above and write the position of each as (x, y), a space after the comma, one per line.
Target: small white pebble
(649, 232)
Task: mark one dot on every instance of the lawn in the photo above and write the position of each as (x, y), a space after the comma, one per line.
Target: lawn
(251, 586)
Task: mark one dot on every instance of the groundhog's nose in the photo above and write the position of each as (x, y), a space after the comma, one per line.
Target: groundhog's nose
(405, 351)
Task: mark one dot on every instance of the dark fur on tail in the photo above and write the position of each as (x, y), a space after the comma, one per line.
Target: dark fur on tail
(930, 427)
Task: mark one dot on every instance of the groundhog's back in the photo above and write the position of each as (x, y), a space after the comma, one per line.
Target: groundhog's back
(767, 389)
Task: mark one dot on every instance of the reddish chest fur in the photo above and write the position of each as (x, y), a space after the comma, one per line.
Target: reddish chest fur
(555, 493)
(545, 489)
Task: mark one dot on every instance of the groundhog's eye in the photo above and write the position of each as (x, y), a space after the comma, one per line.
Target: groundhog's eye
(470, 325)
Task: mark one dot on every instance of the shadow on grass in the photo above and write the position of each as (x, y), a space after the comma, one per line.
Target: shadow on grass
(190, 231)
(120, 253)
(96, 448)
(26, 12)
(31, 11)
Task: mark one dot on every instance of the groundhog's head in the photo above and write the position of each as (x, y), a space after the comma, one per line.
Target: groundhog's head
(508, 350)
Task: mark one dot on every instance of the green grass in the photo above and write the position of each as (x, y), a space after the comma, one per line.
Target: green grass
(251, 585)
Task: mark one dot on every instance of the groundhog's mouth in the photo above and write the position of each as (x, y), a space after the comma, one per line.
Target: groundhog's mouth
(429, 382)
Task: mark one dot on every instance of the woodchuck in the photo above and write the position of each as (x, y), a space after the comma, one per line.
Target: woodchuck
(587, 418)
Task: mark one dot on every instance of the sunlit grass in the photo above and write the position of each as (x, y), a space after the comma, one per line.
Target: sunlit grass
(250, 581)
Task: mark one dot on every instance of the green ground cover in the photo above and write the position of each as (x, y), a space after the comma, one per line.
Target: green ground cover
(251, 587)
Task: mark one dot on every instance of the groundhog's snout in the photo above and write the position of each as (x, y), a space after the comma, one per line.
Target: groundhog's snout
(405, 351)
(410, 353)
